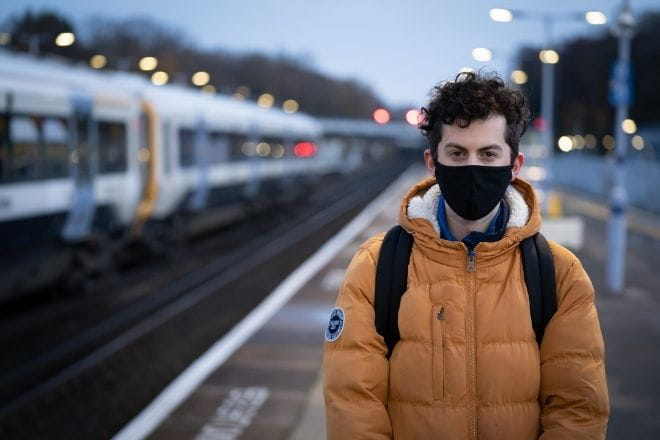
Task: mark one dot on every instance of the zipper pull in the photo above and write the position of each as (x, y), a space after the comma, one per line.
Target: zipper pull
(470, 263)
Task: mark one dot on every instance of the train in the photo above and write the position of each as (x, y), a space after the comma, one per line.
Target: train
(93, 161)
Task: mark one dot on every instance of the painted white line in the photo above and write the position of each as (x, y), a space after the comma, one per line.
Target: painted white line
(177, 391)
(234, 414)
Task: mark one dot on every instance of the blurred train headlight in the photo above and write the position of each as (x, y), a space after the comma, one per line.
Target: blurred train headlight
(277, 151)
(263, 149)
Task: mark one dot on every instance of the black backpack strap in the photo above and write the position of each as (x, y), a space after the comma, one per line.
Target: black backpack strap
(539, 269)
(391, 283)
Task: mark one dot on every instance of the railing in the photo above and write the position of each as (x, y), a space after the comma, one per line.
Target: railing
(595, 175)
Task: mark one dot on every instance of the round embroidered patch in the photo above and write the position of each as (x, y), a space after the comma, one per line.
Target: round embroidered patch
(336, 324)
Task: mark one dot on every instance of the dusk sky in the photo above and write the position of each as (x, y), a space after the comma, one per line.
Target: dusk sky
(400, 49)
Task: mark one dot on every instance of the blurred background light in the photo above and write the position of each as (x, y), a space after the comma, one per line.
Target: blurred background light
(290, 106)
(98, 62)
(482, 54)
(5, 38)
(65, 39)
(638, 142)
(263, 149)
(590, 141)
(412, 117)
(208, 89)
(277, 151)
(148, 63)
(381, 116)
(266, 100)
(159, 78)
(519, 77)
(629, 126)
(243, 91)
(608, 142)
(201, 78)
(501, 15)
(565, 144)
(595, 17)
(549, 56)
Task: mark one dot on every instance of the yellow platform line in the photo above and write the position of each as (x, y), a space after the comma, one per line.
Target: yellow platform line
(638, 221)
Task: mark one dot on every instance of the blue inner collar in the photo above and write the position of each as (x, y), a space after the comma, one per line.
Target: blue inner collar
(495, 230)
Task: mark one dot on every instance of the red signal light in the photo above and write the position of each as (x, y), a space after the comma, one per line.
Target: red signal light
(304, 149)
(381, 116)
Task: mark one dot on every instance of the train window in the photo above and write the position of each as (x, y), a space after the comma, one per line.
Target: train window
(24, 141)
(112, 147)
(186, 147)
(54, 132)
(219, 147)
(239, 147)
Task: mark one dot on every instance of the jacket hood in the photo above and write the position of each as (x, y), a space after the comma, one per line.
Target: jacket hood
(418, 215)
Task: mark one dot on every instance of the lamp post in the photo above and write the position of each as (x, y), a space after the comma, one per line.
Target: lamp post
(620, 95)
(549, 58)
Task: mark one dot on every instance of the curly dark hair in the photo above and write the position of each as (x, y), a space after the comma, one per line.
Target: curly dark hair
(474, 96)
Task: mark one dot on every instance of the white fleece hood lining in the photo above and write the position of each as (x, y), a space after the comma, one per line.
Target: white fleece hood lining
(426, 206)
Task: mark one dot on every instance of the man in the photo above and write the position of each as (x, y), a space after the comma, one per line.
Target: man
(467, 365)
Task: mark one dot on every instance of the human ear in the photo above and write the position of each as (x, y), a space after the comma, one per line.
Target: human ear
(517, 165)
(429, 162)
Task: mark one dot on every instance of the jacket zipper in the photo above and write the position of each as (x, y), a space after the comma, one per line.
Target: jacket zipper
(471, 351)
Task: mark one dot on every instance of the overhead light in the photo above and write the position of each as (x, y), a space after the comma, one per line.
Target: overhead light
(159, 78)
(482, 54)
(501, 15)
(290, 106)
(65, 39)
(266, 100)
(98, 61)
(595, 17)
(549, 56)
(201, 78)
(629, 126)
(148, 63)
(519, 77)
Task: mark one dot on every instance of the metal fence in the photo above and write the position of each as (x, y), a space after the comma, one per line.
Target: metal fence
(595, 175)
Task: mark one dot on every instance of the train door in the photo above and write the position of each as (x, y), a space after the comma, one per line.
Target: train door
(200, 193)
(147, 167)
(82, 167)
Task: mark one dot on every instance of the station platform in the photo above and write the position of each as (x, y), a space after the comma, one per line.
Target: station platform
(263, 380)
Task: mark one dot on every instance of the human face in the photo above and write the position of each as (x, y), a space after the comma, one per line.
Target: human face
(480, 143)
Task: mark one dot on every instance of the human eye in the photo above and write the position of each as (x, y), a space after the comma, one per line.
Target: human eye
(489, 155)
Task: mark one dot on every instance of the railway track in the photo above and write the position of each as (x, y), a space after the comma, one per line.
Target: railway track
(116, 359)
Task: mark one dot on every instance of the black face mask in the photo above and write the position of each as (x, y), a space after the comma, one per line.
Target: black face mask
(472, 191)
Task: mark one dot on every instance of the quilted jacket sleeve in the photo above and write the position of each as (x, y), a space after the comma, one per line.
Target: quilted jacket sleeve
(574, 396)
(355, 367)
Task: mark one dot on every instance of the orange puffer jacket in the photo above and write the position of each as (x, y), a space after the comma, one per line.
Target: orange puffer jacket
(467, 365)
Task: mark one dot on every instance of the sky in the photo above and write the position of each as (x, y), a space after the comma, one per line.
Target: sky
(400, 49)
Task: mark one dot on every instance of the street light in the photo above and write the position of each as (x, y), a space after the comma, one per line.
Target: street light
(519, 77)
(549, 57)
(65, 39)
(98, 61)
(482, 54)
(201, 78)
(148, 63)
(620, 96)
